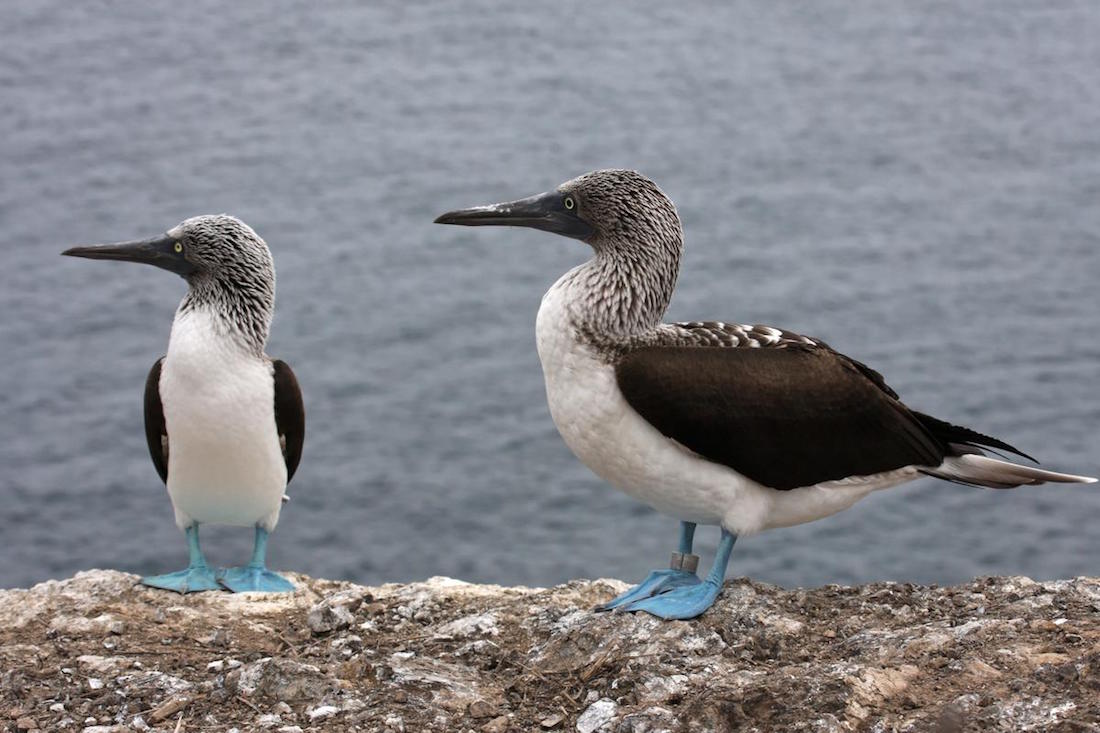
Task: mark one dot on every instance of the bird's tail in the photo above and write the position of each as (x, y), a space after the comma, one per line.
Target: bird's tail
(978, 470)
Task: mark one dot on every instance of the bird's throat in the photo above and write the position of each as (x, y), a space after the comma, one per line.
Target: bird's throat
(238, 315)
(614, 298)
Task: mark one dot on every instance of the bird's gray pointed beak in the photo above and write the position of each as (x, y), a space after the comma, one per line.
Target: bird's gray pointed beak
(547, 212)
(160, 251)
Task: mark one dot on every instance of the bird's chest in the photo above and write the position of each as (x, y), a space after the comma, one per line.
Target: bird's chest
(583, 396)
(218, 402)
(605, 433)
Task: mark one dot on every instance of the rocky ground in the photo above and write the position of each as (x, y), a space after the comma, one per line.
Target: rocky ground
(98, 653)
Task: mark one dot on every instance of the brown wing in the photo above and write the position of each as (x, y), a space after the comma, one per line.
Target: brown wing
(290, 415)
(785, 417)
(156, 434)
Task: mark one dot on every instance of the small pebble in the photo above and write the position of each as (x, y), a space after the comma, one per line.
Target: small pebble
(480, 709)
(498, 724)
(552, 721)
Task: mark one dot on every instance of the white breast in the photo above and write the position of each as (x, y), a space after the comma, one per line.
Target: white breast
(225, 463)
(617, 444)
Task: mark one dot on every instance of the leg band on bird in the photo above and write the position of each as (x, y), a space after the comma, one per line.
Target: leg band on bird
(197, 577)
(688, 563)
(683, 559)
(680, 574)
(690, 601)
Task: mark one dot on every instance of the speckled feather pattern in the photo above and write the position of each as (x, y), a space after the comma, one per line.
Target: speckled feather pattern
(628, 284)
(236, 278)
(626, 288)
(716, 334)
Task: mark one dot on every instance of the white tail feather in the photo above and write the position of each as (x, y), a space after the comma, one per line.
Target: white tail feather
(997, 474)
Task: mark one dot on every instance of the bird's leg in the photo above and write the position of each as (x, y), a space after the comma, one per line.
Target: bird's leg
(196, 577)
(689, 602)
(255, 576)
(680, 573)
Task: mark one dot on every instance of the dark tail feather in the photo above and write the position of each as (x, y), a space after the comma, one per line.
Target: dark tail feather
(959, 435)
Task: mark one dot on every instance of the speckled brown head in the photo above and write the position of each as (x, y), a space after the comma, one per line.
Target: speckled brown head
(633, 229)
(228, 268)
(616, 211)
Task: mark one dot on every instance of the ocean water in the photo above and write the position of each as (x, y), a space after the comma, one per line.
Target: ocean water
(918, 185)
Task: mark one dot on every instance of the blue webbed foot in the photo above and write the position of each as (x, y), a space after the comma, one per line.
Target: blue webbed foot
(679, 603)
(657, 582)
(255, 577)
(687, 599)
(252, 578)
(191, 580)
(196, 577)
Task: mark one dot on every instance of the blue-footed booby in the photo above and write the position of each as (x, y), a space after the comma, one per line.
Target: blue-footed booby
(741, 426)
(224, 422)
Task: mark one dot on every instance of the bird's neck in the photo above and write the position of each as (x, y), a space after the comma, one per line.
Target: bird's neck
(241, 316)
(621, 293)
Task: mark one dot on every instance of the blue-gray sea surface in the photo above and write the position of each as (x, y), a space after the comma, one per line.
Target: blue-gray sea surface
(917, 184)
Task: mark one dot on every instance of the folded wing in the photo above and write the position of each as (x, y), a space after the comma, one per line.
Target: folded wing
(156, 434)
(290, 415)
(785, 416)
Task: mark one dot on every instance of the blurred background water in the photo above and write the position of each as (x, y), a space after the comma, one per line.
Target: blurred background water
(917, 184)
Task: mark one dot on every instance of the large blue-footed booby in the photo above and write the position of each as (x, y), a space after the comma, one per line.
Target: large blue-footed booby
(744, 427)
(224, 422)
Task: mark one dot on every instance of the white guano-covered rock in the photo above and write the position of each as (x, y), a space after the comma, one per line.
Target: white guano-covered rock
(100, 651)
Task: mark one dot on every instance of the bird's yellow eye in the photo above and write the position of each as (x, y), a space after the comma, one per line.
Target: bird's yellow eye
(570, 203)
(178, 247)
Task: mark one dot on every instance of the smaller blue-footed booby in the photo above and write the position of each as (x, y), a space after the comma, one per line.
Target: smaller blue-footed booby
(741, 426)
(224, 422)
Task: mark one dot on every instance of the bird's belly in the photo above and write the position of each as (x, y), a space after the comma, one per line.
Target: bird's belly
(225, 463)
(810, 503)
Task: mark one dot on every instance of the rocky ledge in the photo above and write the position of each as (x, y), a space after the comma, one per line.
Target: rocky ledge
(98, 653)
